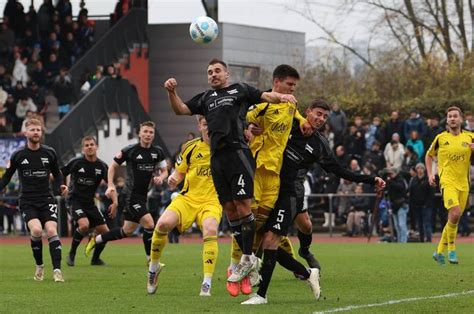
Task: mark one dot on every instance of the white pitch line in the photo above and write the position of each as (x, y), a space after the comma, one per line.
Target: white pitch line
(356, 307)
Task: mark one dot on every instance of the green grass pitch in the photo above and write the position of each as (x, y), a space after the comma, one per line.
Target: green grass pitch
(352, 275)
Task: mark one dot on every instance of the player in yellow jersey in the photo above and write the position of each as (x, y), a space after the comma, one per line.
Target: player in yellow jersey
(453, 149)
(274, 121)
(197, 202)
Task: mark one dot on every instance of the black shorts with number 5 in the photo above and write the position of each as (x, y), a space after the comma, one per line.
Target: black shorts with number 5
(44, 210)
(233, 172)
(282, 216)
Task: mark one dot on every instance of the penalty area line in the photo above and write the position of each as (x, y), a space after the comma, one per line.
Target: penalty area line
(356, 307)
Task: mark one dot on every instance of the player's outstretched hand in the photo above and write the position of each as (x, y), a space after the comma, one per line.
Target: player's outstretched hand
(288, 98)
(171, 84)
(157, 180)
(172, 182)
(306, 129)
(471, 145)
(109, 191)
(113, 210)
(432, 180)
(379, 183)
(64, 190)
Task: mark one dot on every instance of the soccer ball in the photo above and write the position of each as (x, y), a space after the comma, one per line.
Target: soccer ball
(203, 30)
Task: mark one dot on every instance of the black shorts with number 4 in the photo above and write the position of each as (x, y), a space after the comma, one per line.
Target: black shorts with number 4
(233, 173)
(44, 210)
(282, 216)
(135, 209)
(87, 210)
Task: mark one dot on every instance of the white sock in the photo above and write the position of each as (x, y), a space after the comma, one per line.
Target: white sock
(154, 266)
(57, 269)
(207, 280)
(98, 239)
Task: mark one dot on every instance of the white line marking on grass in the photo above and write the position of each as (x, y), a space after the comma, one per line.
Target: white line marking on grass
(356, 307)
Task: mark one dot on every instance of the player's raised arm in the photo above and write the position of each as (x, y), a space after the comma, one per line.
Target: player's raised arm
(177, 104)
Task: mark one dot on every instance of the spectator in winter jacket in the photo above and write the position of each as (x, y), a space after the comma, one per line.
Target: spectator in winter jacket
(394, 125)
(414, 123)
(394, 152)
(338, 122)
(417, 145)
(421, 202)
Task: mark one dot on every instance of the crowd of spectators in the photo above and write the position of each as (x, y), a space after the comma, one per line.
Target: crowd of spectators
(395, 150)
(36, 50)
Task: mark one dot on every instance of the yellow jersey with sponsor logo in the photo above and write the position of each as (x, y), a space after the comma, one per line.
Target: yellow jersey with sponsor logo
(195, 161)
(276, 121)
(454, 158)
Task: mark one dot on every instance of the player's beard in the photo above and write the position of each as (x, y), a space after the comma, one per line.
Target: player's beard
(35, 139)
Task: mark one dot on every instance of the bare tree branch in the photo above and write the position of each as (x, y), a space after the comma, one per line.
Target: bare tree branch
(417, 28)
(307, 14)
(398, 37)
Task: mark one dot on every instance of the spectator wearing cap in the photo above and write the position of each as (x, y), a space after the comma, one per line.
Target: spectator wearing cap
(394, 152)
(413, 123)
(421, 197)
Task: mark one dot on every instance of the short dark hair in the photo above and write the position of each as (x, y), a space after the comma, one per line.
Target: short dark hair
(284, 70)
(217, 61)
(454, 108)
(88, 138)
(147, 123)
(319, 103)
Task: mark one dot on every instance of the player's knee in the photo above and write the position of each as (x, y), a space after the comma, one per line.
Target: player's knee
(306, 227)
(36, 232)
(51, 232)
(83, 228)
(164, 225)
(210, 228)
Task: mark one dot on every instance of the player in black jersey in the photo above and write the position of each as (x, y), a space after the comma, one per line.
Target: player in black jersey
(300, 153)
(143, 162)
(86, 173)
(225, 107)
(35, 164)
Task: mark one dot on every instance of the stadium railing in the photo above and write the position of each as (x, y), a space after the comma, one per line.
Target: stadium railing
(107, 98)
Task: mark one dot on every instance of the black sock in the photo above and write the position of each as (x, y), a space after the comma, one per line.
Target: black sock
(147, 235)
(112, 235)
(55, 251)
(37, 248)
(97, 250)
(77, 237)
(285, 260)
(248, 234)
(269, 261)
(305, 242)
(236, 228)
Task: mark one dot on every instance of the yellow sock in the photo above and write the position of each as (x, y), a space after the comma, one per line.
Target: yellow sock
(235, 252)
(209, 255)
(158, 243)
(451, 233)
(286, 245)
(443, 242)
